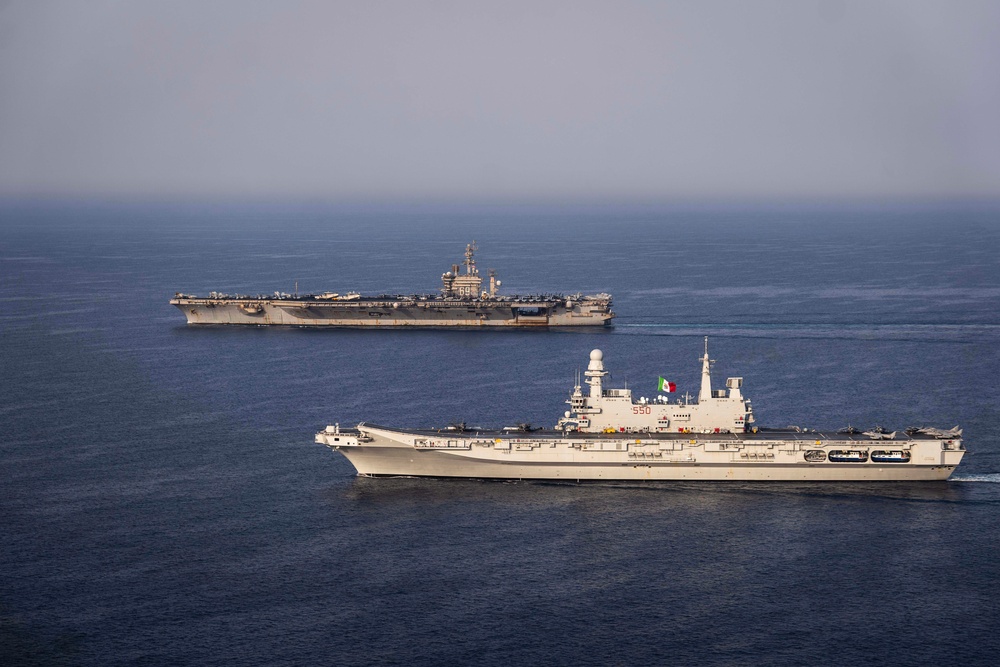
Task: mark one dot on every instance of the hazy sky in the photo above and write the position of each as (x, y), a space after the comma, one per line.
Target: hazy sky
(500, 100)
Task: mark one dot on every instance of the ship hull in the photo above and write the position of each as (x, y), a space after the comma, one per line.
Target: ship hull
(381, 451)
(383, 313)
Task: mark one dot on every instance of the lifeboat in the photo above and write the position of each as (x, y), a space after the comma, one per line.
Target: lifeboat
(890, 456)
(848, 456)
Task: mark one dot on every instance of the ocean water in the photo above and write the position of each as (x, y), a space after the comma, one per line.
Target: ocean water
(162, 501)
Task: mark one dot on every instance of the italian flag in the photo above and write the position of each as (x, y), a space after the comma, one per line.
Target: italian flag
(666, 386)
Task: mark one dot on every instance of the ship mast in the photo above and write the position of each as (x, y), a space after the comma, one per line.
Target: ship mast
(470, 263)
(706, 376)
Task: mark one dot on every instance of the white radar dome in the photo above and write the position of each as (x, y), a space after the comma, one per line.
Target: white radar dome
(596, 355)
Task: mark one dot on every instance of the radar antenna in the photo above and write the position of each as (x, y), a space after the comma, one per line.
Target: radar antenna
(470, 263)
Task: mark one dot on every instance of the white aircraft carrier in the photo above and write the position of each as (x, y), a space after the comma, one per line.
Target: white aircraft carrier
(462, 303)
(609, 435)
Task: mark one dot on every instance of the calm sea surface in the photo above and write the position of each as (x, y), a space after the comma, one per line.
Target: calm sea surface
(162, 501)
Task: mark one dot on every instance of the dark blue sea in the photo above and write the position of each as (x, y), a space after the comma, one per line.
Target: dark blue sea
(162, 501)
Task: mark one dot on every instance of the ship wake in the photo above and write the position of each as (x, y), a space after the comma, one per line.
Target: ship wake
(989, 478)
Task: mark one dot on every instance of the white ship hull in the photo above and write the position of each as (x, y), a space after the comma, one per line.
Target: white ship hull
(765, 456)
(609, 436)
(372, 313)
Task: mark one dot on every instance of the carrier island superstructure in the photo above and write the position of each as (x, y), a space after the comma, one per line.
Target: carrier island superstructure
(463, 302)
(607, 434)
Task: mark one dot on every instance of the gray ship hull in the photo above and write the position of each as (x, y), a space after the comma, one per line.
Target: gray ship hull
(464, 301)
(367, 312)
(764, 456)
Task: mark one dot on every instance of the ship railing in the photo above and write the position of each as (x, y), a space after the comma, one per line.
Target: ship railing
(428, 443)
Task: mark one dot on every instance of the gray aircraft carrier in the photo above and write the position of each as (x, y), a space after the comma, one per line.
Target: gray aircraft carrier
(463, 302)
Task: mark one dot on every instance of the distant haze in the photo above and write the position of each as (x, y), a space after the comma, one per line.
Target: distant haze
(500, 100)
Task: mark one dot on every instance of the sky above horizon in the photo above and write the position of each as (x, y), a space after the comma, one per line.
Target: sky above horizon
(544, 100)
